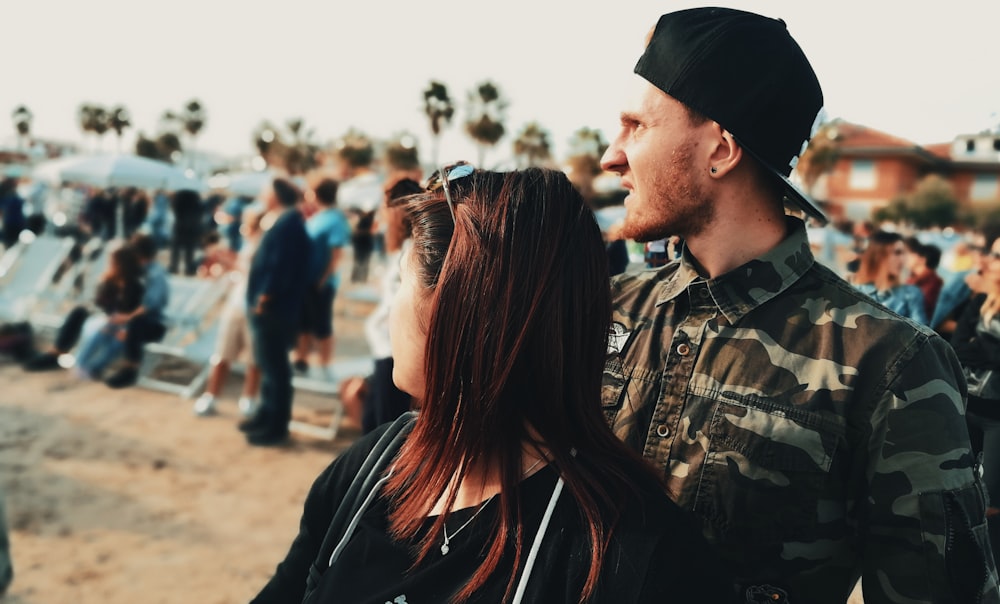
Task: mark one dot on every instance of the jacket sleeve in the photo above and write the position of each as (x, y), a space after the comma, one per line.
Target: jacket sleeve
(288, 584)
(924, 513)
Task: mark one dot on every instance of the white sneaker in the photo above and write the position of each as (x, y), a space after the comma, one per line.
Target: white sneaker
(248, 406)
(205, 405)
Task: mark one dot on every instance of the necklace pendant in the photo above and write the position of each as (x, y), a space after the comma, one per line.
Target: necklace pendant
(445, 549)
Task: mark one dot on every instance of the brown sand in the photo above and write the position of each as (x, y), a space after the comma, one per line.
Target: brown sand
(124, 496)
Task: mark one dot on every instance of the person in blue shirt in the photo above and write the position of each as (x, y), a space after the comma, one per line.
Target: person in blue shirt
(879, 275)
(276, 288)
(230, 218)
(329, 232)
(145, 324)
(158, 219)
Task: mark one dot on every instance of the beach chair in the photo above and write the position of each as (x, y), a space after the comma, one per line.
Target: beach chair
(342, 369)
(190, 336)
(28, 274)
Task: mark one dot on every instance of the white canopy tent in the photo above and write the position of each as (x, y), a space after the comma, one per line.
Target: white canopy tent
(117, 171)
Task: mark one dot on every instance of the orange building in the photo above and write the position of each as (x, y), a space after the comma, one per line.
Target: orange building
(866, 169)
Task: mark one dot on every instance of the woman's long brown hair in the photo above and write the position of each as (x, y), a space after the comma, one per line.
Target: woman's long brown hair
(517, 336)
(875, 258)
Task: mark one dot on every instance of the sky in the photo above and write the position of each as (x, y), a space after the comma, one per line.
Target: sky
(924, 74)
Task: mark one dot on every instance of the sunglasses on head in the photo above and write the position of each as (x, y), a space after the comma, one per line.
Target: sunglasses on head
(445, 175)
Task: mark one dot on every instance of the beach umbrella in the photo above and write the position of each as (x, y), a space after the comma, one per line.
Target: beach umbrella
(250, 184)
(117, 171)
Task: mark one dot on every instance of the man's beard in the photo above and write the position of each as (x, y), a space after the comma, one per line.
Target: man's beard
(675, 205)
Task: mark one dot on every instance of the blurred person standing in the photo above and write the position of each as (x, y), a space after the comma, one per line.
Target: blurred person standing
(385, 401)
(186, 235)
(817, 437)
(328, 233)
(11, 212)
(880, 276)
(977, 343)
(234, 329)
(230, 218)
(158, 219)
(135, 208)
(922, 263)
(959, 287)
(145, 324)
(276, 288)
(359, 196)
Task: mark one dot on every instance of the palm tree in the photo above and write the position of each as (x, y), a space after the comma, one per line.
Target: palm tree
(22, 117)
(92, 119)
(532, 147)
(119, 120)
(300, 154)
(266, 139)
(355, 148)
(820, 156)
(101, 125)
(583, 162)
(192, 120)
(486, 113)
(439, 110)
(401, 154)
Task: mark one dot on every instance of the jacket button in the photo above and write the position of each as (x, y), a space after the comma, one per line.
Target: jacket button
(662, 431)
(683, 349)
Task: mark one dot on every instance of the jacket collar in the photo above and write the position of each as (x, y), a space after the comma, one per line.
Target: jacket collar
(746, 287)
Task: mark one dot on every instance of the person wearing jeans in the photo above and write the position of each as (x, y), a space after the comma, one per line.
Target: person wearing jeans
(145, 323)
(275, 293)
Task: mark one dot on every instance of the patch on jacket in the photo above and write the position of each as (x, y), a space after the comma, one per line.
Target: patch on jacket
(617, 338)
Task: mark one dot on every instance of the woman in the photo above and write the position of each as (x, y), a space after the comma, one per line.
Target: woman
(499, 330)
(385, 401)
(234, 331)
(880, 275)
(119, 292)
(976, 341)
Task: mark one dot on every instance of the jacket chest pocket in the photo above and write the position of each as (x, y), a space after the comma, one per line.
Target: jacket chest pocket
(767, 470)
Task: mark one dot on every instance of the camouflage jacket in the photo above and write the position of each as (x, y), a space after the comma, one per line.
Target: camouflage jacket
(818, 436)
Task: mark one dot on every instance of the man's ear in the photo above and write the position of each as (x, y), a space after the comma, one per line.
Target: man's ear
(726, 152)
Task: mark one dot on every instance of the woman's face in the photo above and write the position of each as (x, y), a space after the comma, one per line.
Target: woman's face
(992, 263)
(408, 318)
(896, 261)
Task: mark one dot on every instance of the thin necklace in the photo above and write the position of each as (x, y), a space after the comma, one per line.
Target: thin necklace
(445, 548)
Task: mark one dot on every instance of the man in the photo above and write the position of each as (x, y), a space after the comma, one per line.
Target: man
(146, 323)
(923, 262)
(11, 213)
(818, 438)
(328, 232)
(187, 230)
(360, 195)
(275, 291)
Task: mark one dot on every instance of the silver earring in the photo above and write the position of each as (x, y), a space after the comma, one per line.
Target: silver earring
(714, 170)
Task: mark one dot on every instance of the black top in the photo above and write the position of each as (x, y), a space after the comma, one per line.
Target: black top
(657, 553)
(978, 347)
